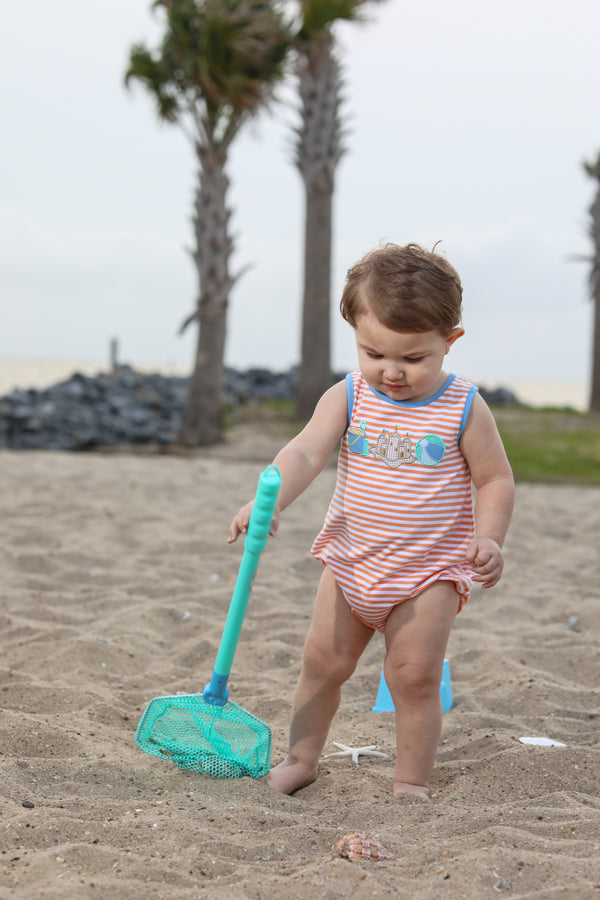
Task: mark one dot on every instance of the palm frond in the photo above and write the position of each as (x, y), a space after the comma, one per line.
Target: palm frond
(220, 58)
(592, 168)
(318, 15)
(150, 71)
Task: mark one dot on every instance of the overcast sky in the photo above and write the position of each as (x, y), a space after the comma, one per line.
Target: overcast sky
(468, 123)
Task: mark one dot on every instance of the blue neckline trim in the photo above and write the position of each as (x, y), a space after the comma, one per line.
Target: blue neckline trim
(413, 404)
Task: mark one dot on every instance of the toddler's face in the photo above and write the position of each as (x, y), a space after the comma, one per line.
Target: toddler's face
(402, 365)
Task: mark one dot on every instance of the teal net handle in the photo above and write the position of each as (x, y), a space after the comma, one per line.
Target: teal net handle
(256, 538)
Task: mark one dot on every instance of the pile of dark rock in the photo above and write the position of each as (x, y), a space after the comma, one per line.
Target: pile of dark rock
(120, 408)
(128, 408)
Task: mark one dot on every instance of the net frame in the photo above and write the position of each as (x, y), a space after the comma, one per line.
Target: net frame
(222, 741)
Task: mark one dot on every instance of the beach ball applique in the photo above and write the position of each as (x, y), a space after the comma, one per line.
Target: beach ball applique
(430, 450)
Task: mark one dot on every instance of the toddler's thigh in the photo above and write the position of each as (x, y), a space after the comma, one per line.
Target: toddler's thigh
(418, 629)
(334, 629)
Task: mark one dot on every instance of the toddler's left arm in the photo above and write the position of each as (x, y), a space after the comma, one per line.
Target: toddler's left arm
(493, 480)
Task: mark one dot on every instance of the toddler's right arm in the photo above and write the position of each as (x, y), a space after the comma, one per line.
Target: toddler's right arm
(300, 461)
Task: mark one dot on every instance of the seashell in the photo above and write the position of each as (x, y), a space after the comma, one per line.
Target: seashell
(359, 845)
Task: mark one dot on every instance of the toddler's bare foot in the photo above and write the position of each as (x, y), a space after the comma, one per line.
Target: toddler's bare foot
(290, 776)
(413, 792)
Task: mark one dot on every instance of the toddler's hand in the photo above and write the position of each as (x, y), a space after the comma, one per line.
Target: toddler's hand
(239, 524)
(485, 556)
(240, 521)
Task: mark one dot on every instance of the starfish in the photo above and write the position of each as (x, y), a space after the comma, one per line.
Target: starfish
(355, 752)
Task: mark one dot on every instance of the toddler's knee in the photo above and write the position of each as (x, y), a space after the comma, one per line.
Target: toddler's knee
(322, 663)
(411, 679)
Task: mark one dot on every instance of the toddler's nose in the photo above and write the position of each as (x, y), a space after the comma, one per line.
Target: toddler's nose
(393, 374)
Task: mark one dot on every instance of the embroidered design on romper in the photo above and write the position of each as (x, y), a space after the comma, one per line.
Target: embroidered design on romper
(357, 441)
(430, 450)
(394, 450)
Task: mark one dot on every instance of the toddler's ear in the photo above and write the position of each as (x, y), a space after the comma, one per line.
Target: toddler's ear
(454, 335)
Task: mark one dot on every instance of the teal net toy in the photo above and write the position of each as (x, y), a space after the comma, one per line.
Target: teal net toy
(207, 732)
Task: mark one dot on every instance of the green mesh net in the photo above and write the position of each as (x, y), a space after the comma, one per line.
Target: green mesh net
(224, 741)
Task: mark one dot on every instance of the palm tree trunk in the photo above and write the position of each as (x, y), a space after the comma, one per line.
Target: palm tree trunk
(203, 413)
(318, 151)
(594, 232)
(595, 291)
(595, 392)
(315, 369)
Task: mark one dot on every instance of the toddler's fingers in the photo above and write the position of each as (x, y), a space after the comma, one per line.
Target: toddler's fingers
(274, 521)
(489, 582)
(477, 557)
(478, 554)
(484, 563)
(238, 526)
(490, 574)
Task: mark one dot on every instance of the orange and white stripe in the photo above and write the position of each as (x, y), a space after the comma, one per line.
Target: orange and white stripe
(401, 516)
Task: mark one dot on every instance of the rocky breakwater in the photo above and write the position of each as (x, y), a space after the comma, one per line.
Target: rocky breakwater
(120, 408)
(128, 408)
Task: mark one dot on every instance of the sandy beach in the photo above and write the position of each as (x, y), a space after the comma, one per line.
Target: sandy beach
(116, 583)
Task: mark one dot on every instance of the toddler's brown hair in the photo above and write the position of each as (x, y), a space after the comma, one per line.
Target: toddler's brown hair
(406, 287)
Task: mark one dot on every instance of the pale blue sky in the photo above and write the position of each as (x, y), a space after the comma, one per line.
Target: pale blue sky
(468, 124)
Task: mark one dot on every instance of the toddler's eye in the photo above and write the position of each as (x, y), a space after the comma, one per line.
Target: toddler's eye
(414, 359)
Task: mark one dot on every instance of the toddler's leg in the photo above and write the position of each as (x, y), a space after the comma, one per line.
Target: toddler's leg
(416, 636)
(335, 641)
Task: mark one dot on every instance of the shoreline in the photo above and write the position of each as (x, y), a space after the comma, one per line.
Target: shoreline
(37, 374)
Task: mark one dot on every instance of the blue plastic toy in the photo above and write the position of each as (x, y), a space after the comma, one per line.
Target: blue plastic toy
(384, 702)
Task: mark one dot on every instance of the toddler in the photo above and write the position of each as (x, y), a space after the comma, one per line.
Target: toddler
(401, 543)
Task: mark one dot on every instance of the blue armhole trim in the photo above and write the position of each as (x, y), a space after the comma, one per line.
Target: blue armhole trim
(466, 411)
(350, 393)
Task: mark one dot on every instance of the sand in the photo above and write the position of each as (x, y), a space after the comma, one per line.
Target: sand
(116, 583)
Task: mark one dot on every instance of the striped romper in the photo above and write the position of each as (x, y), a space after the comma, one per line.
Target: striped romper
(401, 516)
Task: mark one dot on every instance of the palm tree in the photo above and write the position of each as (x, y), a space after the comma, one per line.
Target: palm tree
(216, 66)
(319, 148)
(593, 170)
